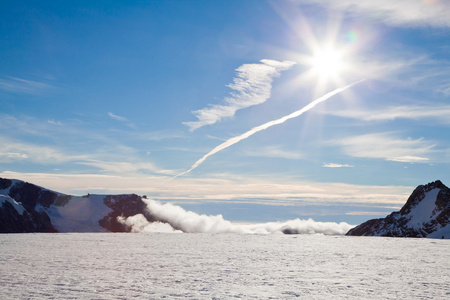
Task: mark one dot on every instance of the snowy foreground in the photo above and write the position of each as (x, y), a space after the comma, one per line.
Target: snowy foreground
(221, 266)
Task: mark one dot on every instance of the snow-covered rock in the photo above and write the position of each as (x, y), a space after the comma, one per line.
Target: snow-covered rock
(25, 207)
(425, 214)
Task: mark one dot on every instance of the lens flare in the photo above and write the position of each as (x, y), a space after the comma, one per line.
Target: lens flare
(352, 36)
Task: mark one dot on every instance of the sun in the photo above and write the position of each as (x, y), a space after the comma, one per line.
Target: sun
(327, 63)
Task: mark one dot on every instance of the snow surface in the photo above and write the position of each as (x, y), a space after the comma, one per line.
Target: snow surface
(17, 205)
(224, 266)
(423, 212)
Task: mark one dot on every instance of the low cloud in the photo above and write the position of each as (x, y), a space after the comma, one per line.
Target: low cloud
(173, 218)
(252, 86)
(404, 13)
(138, 223)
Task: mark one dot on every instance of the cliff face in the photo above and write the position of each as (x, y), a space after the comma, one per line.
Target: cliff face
(426, 213)
(25, 207)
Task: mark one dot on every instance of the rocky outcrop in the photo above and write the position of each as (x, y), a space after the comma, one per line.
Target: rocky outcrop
(25, 207)
(123, 206)
(426, 213)
(17, 218)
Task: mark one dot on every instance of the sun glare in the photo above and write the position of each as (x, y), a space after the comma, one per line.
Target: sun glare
(327, 63)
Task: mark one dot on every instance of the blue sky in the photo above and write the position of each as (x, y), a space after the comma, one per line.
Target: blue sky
(121, 96)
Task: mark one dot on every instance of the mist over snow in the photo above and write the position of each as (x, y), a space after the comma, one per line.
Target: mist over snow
(173, 218)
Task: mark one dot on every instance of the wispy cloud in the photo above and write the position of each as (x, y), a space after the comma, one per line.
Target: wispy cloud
(125, 167)
(436, 113)
(23, 86)
(252, 86)
(276, 152)
(53, 122)
(405, 13)
(333, 165)
(12, 150)
(116, 117)
(423, 73)
(295, 114)
(415, 71)
(388, 147)
(121, 119)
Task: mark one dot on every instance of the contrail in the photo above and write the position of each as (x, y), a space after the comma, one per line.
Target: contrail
(256, 129)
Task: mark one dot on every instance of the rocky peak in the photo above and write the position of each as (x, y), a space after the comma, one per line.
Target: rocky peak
(426, 213)
(419, 194)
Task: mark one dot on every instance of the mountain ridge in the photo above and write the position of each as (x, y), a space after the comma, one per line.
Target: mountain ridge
(25, 207)
(426, 213)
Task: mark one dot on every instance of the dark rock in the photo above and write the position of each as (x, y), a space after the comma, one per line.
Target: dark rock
(5, 183)
(30, 221)
(289, 230)
(31, 195)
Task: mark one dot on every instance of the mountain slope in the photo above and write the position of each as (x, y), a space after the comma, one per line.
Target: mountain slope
(25, 207)
(426, 213)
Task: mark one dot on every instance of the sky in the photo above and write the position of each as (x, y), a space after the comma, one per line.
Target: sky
(162, 98)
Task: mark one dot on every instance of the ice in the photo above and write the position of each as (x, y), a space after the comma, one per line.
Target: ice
(221, 266)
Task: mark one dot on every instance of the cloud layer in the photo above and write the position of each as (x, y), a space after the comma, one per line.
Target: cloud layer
(174, 218)
(252, 86)
(221, 188)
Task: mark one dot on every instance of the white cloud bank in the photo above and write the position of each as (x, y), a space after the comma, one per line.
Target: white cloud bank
(175, 219)
(251, 87)
(405, 13)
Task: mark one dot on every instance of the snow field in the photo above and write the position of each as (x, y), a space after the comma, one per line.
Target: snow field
(221, 266)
